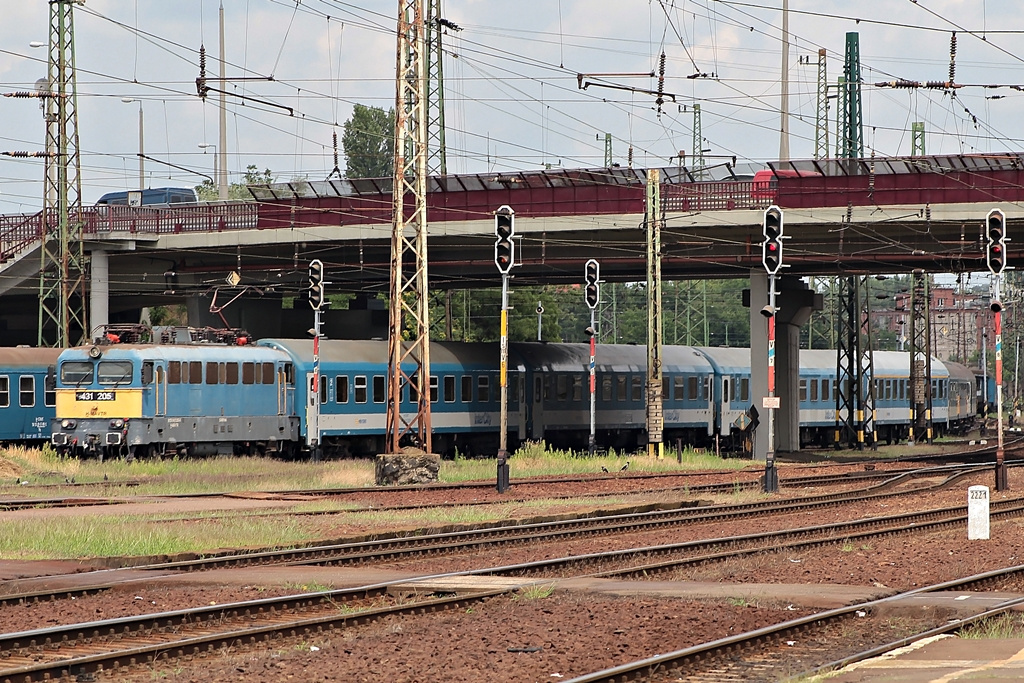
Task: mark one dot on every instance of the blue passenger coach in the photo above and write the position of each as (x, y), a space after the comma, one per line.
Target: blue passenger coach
(464, 395)
(26, 393)
(199, 399)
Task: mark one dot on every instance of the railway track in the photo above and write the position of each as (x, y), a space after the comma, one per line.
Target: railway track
(404, 547)
(810, 645)
(82, 649)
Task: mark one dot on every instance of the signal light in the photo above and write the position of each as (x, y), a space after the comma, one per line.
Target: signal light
(995, 249)
(996, 305)
(316, 284)
(592, 276)
(771, 248)
(504, 247)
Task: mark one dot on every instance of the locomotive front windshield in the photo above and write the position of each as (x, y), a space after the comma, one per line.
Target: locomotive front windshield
(76, 373)
(114, 372)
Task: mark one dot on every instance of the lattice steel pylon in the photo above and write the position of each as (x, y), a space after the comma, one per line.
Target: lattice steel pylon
(917, 139)
(847, 367)
(867, 385)
(920, 359)
(821, 119)
(437, 161)
(852, 123)
(409, 363)
(697, 153)
(62, 312)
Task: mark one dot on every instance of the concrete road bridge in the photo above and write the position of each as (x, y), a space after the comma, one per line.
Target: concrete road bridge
(841, 217)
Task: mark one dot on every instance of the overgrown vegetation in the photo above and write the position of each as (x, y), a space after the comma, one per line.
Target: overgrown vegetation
(1008, 625)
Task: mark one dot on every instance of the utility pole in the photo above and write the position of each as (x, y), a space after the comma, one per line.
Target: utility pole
(222, 147)
(784, 99)
(409, 363)
(62, 314)
(655, 409)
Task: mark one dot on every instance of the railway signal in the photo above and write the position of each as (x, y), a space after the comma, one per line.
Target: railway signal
(592, 276)
(316, 284)
(771, 255)
(504, 246)
(995, 250)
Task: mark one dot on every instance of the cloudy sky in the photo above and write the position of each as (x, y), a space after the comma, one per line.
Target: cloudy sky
(512, 96)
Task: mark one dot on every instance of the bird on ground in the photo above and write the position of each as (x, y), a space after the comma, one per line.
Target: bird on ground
(603, 468)
(105, 478)
(624, 467)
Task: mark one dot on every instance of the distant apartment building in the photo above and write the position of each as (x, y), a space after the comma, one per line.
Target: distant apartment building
(960, 322)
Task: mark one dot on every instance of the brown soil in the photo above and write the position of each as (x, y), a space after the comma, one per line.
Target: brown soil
(577, 632)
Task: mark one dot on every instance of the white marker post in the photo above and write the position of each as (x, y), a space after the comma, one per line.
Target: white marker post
(977, 513)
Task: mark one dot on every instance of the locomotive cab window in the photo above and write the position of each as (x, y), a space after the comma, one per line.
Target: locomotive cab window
(114, 372)
(27, 391)
(147, 372)
(76, 372)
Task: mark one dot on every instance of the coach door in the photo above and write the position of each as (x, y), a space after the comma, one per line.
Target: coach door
(537, 407)
(160, 391)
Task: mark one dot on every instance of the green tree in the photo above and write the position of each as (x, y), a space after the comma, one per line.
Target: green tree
(208, 190)
(369, 143)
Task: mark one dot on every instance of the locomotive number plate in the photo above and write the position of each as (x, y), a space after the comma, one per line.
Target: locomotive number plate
(95, 395)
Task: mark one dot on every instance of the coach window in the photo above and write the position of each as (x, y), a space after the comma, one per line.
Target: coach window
(706, 386)
(678, 388)
(561, 390)
(824, 390)
(577, 387)
(173, 372)
(745, 389)
(483, 389)
(341, 389)
(231, 373)
(50, 387)
(449, 389)
(114, 372)
(323, 389)
(379, 389)
(27, 391)
(803, 390)
(666, 388)
(814, 390)
(359, 387)
(414, 389)
(467, 388)
(620, 387)
(725, 390)
(433, 388)
(5, 391)
(637, 389)
(211, 373)
(76, 373)
(606, 388)
(691, 388)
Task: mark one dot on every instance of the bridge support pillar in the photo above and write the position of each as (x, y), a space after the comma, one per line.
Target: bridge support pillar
(794, 303)
(99, 292)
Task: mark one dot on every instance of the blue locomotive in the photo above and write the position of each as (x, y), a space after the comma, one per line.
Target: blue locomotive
(26, 394)
(128, 400)
(135, 399)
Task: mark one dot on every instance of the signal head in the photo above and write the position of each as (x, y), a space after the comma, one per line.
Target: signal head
(772, 223)
(592, 271)
(504, 222)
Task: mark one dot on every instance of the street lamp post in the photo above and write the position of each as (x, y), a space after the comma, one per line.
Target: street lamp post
(142, 154)
(209, 145)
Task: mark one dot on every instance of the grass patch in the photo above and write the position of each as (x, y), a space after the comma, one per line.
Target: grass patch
(536, 591)
(110, 536)
(1008, 625)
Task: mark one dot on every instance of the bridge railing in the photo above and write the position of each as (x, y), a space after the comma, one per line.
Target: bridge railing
(717, 195)
(18, 231)
(211, 217)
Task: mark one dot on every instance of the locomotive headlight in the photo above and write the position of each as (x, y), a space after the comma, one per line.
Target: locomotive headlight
(117, 424)
(67, 424)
